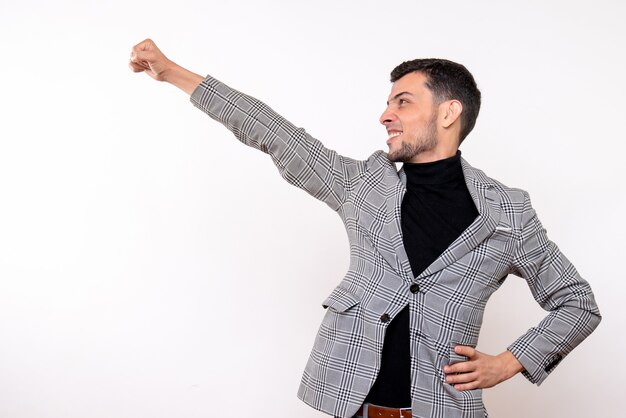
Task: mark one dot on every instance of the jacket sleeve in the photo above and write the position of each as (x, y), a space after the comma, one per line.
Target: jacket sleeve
(559, 289)
(301, 159)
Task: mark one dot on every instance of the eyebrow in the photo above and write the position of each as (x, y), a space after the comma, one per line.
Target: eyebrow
(397, 96)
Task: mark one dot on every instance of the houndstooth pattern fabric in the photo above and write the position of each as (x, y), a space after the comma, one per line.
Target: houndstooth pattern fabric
(506, 238)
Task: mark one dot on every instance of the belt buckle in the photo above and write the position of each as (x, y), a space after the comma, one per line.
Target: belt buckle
(403, 410)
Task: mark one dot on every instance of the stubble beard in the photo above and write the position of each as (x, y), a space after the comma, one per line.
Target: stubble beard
(427, 141)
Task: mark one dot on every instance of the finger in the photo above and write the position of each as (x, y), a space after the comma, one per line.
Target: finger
(137, 66)
(461, 378)
(145, 45)
(465, 350)
(461, 367)
(142, 56)
(467, 386)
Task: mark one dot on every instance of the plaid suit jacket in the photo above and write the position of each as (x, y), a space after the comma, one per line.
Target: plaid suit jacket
(506, 238)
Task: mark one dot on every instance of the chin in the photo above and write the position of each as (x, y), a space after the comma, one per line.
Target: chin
(395, 158)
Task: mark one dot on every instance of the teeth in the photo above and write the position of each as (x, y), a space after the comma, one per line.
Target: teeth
(394, 134)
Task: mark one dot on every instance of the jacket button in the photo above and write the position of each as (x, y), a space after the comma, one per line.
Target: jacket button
(414, 288)
(385, 318)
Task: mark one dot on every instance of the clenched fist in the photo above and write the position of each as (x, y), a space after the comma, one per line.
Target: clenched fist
(147, 57)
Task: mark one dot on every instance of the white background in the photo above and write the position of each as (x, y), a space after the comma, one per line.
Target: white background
(152, 266)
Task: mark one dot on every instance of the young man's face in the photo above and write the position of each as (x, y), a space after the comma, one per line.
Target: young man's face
(410, 119)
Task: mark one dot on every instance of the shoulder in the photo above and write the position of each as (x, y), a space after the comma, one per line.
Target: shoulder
(378, 162)
(482, 181)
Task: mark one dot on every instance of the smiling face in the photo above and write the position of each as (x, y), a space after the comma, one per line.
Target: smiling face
(411, 120)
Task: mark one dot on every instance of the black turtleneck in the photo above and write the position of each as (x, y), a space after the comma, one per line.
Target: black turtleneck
(436, 209)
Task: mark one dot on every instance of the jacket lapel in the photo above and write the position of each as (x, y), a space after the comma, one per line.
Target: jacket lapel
(487, 201)
(394, 208)
(379, 214)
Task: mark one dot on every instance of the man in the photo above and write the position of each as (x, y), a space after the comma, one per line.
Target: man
(429, 245)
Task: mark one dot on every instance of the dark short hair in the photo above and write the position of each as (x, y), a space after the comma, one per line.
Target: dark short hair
(447, 80)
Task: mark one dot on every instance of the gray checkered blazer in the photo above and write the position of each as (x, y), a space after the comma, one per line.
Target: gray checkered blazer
(448, 308)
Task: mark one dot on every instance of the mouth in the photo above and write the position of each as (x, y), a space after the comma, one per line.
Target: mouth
(392, 135)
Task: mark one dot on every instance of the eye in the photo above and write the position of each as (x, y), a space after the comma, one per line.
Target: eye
(402, 101)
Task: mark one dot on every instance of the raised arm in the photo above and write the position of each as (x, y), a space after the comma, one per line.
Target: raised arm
(301, 159)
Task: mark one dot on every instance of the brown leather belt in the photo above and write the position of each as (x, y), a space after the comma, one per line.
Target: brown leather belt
(374, 411)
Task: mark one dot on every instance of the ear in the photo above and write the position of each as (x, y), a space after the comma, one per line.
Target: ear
(451, 111)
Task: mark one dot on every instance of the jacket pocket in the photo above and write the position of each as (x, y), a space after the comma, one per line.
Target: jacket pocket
(503, 232)
(340, 300)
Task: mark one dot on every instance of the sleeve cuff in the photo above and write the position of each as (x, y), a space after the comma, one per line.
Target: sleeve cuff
(199, 95)
(537, 365)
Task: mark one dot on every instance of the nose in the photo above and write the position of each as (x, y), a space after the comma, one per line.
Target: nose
(387, 117)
